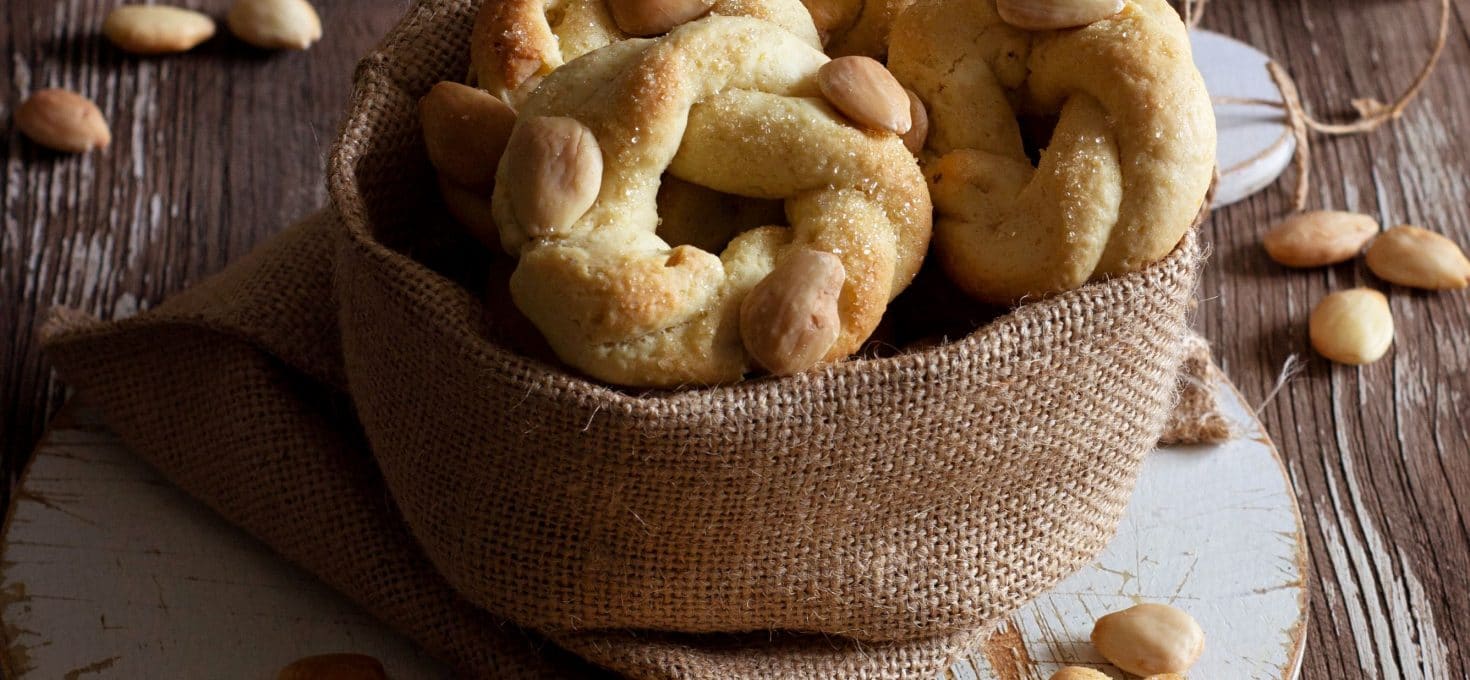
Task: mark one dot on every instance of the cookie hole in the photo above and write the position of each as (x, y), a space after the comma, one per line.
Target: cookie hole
(1036, 132)
(556, 13)
(695, 215)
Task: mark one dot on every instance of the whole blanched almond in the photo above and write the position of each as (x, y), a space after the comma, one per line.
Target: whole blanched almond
(1148, 639)
(275, 24)
(1076, 673)
(334, 667)
(156, 29)
(1352, 326)
(465, 130)
(866, 92)
(63, 120)
(655, 17)
(1418, 258)
(1050, 15)
(1319, 238)
(790, 319)
(555, 165)
(919, 124)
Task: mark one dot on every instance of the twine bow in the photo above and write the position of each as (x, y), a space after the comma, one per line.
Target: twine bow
(1372, 113)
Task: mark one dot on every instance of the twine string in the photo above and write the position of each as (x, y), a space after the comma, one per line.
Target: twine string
(1372, 113)
(1194, 12)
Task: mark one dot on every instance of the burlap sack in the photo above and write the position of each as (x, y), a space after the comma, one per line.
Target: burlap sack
(871, 519)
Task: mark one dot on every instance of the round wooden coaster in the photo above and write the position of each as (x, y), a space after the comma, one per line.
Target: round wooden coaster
(108, 571)
(1255, 142)
(1213, 530)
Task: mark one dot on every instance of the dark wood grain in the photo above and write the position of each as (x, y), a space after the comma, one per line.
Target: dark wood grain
(212, 151)
(220, 148)
(1379, 455)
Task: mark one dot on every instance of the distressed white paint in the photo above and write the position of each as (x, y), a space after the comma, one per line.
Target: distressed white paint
(1212, 530)
(1255, 144)
(107, 567)
(154, 585)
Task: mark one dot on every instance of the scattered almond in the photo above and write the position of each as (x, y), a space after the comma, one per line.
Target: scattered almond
(156, 29)
(465, 130)
(275, 24)
(866, 92)
(556, 165)
(63, 120)
(1076, 673)
(654, 17)
(1319, 238)
(1049, 15)
(1352, 326)
(334, 667)
(789, 320)
(1418, 258)
(918, 124)
(1148, 639)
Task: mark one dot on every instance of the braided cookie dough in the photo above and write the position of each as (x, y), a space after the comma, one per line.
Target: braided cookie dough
(517, 42)
(733, 104)
(1125, 172)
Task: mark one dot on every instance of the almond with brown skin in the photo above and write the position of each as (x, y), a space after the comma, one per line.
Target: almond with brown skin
(867, 93)
(63, 120)
(655, 17)
(1319, 238)
(275, 24)
(556, 167)
(334, 667)
(1050, 15)
(919, 124)
(465, 130)
(1418, 258)
(1352, 327)
(790, 319)
(156, 29)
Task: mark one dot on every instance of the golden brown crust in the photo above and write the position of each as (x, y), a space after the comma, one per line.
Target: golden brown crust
(514, 41)
(511, 42)
(730, 104)
(1126, 169)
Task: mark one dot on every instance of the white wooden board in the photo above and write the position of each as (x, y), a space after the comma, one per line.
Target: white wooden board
(1213, 530)
(1255, 144)
(109, 573)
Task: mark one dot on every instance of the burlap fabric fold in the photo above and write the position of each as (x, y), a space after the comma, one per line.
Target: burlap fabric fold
(343, 401)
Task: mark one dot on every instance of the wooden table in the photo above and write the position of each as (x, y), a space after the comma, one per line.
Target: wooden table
(218, 149)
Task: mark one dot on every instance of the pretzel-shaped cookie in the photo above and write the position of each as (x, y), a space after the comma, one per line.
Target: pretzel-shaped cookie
(734, 104)
(1128, 164)
(517, 42)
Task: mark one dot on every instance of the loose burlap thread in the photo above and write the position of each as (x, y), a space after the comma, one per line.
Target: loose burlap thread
(341, 401)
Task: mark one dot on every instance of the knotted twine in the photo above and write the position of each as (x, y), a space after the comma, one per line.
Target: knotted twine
(1372, 113)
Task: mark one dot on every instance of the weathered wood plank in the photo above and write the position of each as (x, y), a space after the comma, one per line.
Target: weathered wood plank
(212, 151)
(1375, 454)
